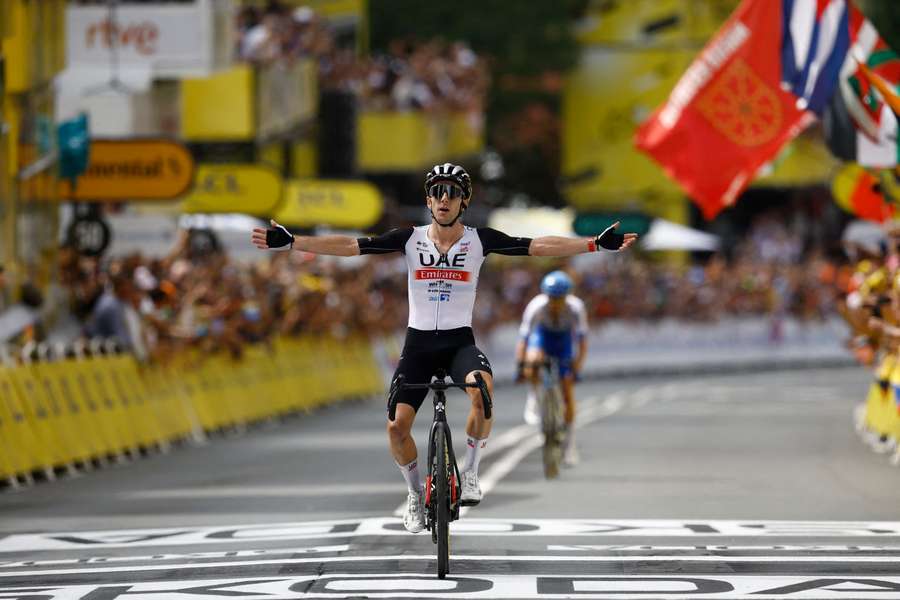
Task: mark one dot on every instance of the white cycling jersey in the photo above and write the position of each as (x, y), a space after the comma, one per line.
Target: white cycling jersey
(571, 319)
(441, 287)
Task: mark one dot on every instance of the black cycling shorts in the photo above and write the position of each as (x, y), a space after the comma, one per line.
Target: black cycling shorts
(424, 352)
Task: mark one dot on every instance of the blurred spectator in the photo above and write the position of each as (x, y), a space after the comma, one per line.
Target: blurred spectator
(197, 297)
(428, 76)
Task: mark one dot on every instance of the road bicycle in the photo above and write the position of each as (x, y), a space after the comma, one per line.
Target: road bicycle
(442, 484)
(552, 425)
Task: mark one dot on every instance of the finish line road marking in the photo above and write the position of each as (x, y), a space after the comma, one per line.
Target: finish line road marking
(384, 526)
(629, 587)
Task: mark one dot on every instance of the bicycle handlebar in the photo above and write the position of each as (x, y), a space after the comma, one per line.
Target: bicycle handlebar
(439, 385)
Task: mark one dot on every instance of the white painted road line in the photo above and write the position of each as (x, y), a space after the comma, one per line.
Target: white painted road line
(272, 491)
(884, 531)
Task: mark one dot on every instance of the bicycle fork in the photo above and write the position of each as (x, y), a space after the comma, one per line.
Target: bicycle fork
(440, 421)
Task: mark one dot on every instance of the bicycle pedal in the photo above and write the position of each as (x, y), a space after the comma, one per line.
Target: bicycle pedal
(469, 502)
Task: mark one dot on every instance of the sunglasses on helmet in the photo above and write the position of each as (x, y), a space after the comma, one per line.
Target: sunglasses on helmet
(439, 189)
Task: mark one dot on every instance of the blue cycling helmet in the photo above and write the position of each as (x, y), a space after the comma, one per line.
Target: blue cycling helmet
(556, 284)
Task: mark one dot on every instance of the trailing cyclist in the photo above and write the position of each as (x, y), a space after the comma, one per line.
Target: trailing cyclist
(554, 324)
(443, 260)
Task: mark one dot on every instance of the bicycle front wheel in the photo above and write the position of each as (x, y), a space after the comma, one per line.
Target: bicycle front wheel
(441, 500)
(551, 426)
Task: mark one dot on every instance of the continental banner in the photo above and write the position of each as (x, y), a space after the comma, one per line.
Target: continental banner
(346, 204)
(140, 169)
(251, 189)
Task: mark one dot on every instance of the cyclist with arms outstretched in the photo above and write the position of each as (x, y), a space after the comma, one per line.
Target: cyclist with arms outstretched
(554, 324)
(443, 259)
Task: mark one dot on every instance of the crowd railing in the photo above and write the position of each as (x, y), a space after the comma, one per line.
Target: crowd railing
(71, 408)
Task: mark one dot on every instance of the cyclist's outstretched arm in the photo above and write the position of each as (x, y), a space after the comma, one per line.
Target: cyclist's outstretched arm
(277, 237)
(553, 245)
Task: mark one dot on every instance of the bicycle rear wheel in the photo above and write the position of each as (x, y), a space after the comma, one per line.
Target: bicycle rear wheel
(441, 500)
(551, 427)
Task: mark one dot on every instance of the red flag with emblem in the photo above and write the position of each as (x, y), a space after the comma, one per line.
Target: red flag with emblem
(728, 114)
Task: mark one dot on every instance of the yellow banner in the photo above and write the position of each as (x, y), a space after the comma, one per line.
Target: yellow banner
(310, 202)
(653, 22)
(151, 169)
(219, 107)
(251, 189)
(605, 99)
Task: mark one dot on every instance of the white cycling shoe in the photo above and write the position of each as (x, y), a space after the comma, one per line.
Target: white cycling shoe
(531, 416)
(471, 490)
(570, 456)
(414, 517)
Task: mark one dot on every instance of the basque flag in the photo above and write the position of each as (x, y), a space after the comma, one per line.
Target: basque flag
(815, 41)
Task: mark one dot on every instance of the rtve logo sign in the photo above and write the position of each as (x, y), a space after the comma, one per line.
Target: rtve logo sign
(141, 36)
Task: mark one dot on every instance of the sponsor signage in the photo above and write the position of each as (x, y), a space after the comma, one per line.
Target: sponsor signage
(449, 274)
(347, 204)
(251, 189)
(144, 169)
(151, 35)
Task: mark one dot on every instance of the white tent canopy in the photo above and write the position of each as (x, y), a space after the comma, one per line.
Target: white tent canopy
(532, 222)
(666, 235)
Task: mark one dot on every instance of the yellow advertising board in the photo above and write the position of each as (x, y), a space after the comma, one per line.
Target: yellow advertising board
(139, 169)
(219, 107)
(348, 204)
(252, 189)
(805, 161)
(605, 98)
(642, 23)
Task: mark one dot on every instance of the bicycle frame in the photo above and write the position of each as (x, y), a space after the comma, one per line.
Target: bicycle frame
(440, 422)
(434, 506)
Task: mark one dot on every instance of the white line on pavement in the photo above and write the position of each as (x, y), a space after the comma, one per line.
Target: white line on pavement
(530, 441)
(287, 491)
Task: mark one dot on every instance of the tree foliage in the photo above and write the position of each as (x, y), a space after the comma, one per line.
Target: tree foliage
(885, 15)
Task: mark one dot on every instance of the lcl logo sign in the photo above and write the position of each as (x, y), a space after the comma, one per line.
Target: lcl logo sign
(219, 183)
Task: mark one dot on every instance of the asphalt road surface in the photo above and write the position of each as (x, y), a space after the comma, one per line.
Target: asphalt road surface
(744, 486)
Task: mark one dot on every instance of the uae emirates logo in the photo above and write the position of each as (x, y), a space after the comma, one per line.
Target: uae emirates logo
(742, 107)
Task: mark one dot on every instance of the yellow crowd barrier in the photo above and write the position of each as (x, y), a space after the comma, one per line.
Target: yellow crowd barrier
(58, 413)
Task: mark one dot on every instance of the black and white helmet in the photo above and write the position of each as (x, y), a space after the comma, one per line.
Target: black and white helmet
(452, 173)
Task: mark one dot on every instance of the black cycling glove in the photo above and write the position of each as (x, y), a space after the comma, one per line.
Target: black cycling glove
(609, 239)
(278, 238)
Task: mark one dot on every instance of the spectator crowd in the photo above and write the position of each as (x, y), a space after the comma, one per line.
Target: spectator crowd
(197, 297)
(434, 75)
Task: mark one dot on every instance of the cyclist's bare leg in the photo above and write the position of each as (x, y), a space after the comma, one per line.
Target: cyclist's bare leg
(568, 390)
(570, 455)
(476, 425)
(403, 446)
(477, 429)
(533, 357)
